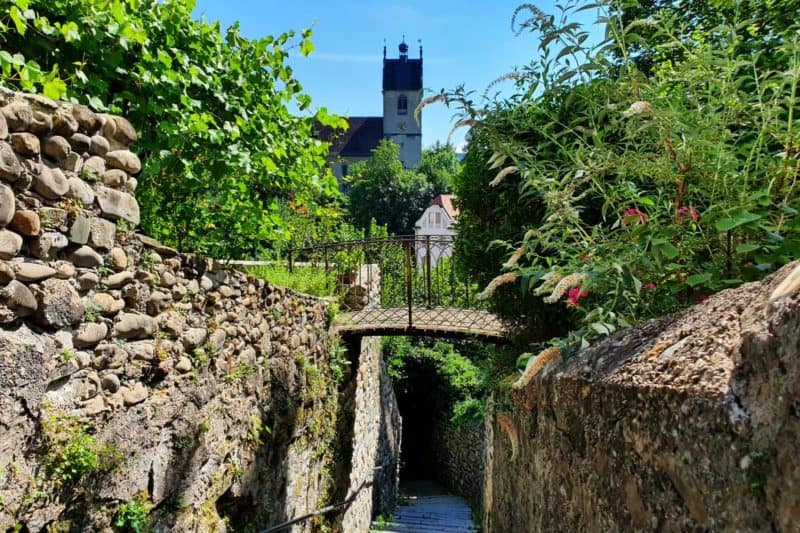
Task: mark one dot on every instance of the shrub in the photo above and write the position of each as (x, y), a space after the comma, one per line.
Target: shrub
(72, 454)
(464, 370)
(226, 154)
(642, 191)
(305, 279)
(132, 516)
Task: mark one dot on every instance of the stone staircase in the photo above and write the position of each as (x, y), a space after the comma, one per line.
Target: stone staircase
(424, 507)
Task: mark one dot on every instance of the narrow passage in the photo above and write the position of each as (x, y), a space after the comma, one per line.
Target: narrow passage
(425, 507)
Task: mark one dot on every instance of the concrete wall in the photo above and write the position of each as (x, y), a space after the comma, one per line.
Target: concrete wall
(687, 423)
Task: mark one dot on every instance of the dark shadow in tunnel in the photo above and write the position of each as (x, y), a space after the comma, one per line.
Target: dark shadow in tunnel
(420, 402)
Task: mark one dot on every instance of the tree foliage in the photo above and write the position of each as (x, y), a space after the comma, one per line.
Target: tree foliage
(383, 191)
(223, 156)
(759, 25)
(462, 370)
(440, 165)
(641, 189)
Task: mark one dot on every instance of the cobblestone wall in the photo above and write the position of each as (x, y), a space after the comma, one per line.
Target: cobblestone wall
(133, 374)
(687, 423)
(459, 456)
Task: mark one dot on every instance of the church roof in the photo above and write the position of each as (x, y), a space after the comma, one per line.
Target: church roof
(362, 136)
(445, 201)
(402, 74)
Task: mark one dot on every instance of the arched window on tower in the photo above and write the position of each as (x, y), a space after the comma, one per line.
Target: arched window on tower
(402, 105)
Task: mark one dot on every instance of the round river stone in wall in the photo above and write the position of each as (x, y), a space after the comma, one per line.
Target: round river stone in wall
(115, 178)
(51, 183)
(183, 365)
(18, 298)
(86, 257)
(60, 305)
(194, 337)
(10, 169)
(124, 160)
(98, 145)
(25, 144)
(72, 163)
(108, 305)
(115, 281)
(87, 118)
(116, 204)
(64, 123)
(80, 190)
(136, 394)
(33, 271)
(56, 147)
(10, 244)
(6, 205)
(41, 124)
(119, 260)
(18, 115)
(133, 326)
(110, 382)
(90, 334)
(119, 129)
(26, 223)
(95, 165)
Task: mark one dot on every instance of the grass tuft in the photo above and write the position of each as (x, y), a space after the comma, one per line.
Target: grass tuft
(305, 279)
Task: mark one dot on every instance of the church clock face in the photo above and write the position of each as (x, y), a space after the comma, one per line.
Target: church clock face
(402, 126)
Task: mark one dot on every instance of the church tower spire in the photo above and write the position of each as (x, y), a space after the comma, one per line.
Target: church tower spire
(402, 93)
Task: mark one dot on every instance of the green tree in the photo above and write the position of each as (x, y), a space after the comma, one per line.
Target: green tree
(639, 190)
(759, 25)
(439, 164)
(383, 191)
(222, 154)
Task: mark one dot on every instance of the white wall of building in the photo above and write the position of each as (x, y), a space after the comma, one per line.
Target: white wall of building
(401, 128)
(434, 222)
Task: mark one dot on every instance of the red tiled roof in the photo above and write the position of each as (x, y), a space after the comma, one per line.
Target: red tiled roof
(445, 201)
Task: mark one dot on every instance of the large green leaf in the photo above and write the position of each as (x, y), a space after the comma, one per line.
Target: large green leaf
(698, 279)
(727, 224)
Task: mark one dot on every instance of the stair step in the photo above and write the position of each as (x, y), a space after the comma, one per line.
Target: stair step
(423, 509)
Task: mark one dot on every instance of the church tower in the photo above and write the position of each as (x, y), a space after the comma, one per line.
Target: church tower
(402, 93)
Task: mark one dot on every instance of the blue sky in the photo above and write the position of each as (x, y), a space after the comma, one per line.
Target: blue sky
(465, 41)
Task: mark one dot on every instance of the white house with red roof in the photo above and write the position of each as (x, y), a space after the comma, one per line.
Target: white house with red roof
(437, 220)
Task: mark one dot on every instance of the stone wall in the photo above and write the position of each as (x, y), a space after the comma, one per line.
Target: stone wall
(459, 456)
(376, 442)
(687, 423)
(133, 375)
(387, 465)
(375, 466)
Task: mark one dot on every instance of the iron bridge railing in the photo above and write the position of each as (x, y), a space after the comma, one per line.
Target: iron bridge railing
(416, 278)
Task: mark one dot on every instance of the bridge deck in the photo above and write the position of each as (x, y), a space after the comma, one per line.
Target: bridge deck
(437, 321)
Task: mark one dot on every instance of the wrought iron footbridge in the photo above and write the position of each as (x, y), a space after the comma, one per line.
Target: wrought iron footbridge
(402, 285)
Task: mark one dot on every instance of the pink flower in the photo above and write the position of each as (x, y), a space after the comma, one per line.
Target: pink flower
(702, 298)
(575, 295)
(634, 216)
(686, 213)
(649, 285)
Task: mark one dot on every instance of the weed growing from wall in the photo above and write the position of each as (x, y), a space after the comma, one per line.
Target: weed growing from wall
(72, 454)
